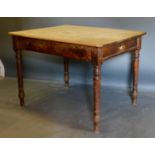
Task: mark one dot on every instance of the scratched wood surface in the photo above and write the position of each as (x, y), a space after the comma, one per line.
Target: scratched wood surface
(83, 35)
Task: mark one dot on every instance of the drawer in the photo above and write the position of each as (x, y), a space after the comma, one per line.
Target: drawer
(55, 48)
(119, 47)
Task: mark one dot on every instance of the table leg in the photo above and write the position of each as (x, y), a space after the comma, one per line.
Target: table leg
(135, 76)
(19, 65)
(66, 72)
(96, 87)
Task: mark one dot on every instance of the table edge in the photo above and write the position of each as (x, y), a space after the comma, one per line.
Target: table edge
(87, 45)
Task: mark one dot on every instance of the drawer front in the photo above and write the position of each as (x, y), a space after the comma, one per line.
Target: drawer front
(56, 48)
(121, 47)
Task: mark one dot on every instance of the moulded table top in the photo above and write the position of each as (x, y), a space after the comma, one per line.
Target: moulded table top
(83, 35)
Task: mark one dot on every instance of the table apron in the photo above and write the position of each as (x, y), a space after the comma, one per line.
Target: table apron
(54, 48)
(74, 51)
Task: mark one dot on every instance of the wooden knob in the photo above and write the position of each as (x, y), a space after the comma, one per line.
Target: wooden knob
(122, 47)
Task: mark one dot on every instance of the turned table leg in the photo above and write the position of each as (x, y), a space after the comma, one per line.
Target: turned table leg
(19, 65)
(96, 87)
(66, 72)
(135, 76)
(136, 71)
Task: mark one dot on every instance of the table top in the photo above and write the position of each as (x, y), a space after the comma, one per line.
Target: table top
(83, 35)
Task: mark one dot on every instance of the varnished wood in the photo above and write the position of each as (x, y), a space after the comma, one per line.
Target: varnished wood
(80, 35)
(19, 64)
(66, 72)
(96, 85)
(94, 45)
(116, 48)
(136, 71)
(66, 50)
(97, 62)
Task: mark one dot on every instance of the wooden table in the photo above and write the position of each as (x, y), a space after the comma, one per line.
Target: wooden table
(91, 44)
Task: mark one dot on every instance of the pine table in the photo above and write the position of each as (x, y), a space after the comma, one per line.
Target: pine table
(91, 44)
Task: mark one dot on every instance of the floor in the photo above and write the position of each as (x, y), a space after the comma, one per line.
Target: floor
(54, 111)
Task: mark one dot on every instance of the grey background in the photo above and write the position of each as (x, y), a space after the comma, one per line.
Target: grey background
(115, 72)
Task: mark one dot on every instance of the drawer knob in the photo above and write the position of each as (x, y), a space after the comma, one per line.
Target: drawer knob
(122, 47)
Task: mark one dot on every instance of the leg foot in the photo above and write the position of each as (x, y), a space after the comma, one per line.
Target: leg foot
(21, 102)
(134, 97)
(21, 97)
(96, 123)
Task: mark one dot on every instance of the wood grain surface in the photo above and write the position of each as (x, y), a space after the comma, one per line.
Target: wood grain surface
(91, 44)
(83, 35)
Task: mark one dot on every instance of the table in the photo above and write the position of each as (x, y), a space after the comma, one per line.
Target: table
(91, 44)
